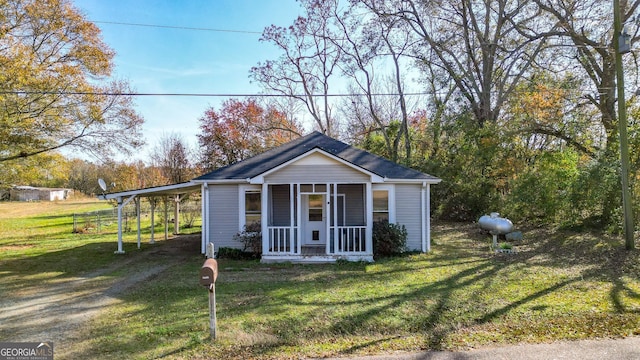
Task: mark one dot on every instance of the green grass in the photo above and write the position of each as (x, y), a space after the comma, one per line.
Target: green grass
(37, 242)
(558, 286)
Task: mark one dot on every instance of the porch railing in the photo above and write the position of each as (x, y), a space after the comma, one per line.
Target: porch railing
(351, 239)
(282, 240)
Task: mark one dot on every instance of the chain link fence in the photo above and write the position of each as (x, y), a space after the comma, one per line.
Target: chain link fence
(94, 221)
(102, 221)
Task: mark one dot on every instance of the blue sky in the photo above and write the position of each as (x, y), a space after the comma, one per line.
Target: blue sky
(166, 60)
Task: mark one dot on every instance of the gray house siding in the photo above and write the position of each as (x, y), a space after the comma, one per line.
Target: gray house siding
(223, 215)
(408, 213)
(316, 174)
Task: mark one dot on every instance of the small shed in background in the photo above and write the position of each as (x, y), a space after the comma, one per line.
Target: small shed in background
(30, 193)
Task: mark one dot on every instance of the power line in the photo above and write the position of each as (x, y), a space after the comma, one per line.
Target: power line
(239, 95)
(28, 92)
(178, 27)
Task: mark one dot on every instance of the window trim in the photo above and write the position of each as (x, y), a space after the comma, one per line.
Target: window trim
(391, 191)
(242, 213)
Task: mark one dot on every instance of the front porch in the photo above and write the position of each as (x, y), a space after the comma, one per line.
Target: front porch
(314, 223)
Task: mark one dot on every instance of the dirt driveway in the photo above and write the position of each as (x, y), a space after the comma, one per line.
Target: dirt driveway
(57, 312)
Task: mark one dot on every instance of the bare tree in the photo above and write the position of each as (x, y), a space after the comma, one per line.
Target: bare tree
(584, 37)
(171, 155)
(370, 44)
(308, 63)
(477, 43)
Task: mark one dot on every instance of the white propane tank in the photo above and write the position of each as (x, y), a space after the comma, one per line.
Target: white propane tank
(495, 224)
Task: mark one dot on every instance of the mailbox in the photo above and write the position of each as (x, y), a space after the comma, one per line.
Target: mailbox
(209, 272)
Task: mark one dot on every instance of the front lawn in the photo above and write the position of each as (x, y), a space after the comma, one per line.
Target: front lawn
(558, 286)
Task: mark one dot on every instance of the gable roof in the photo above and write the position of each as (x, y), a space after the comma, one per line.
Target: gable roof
(275, 157)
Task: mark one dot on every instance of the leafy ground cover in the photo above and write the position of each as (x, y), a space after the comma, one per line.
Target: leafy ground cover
(558, 285)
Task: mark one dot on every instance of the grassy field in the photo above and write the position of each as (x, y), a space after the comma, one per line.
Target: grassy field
(559, 285)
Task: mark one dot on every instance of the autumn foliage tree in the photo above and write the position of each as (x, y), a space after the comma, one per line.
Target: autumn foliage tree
(241, 129)
(54, 84)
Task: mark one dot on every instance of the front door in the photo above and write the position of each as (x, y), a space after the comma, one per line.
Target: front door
(314, 219)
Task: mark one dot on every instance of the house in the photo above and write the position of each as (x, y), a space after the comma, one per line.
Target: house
(30, 193)
(316, 200)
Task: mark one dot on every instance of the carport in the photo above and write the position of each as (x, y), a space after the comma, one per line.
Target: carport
(175, 192)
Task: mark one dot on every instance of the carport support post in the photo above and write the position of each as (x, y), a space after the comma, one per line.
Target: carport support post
(121, 204)
(138, 215)
(166, 218)
(176, 216)
(152, 201)
(119, 251)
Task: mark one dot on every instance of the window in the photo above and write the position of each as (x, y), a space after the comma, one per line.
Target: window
(381, 205)
(315, 207)
(252, 207)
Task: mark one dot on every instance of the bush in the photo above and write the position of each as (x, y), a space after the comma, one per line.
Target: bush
(234, 254)
(251, 238)
(388, 239)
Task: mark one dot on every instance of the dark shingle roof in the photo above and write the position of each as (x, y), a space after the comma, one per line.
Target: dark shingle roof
(270, 159)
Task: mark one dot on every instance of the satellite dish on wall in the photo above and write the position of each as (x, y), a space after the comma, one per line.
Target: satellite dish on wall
(103, 185)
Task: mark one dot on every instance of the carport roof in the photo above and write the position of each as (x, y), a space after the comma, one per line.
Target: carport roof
(165, 190)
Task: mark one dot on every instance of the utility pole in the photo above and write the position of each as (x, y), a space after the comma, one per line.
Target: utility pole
(618, 37)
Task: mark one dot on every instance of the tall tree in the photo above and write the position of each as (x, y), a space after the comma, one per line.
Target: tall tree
(172, 156)
(308, 64)
(50, 169)
(478, 43)
(374, 53)
(53, 93)
(240, 130)
(584, 37)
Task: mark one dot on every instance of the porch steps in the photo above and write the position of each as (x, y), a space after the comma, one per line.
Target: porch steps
(314, 250)
(313, 254)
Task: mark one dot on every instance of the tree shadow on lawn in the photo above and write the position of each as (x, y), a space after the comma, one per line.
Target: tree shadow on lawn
(435, 309)
(599, 256)
(294, 304)
(84, 278)
(89, 260)
(582, 259)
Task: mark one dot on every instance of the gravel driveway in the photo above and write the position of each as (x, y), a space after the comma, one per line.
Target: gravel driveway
(57, 311)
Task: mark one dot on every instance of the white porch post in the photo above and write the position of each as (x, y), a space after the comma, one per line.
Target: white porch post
(292, 220)
(325, 213)
(264, 218)
(299, 216)
(423, 225)
(428, 220)
(369, 210)
(335, 220)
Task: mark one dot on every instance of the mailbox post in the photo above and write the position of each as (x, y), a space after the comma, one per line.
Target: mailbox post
(208, 276)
